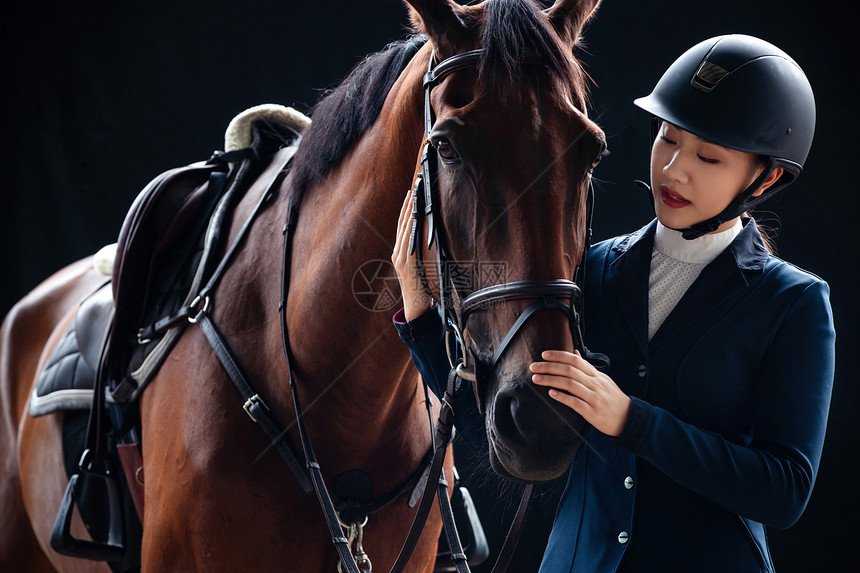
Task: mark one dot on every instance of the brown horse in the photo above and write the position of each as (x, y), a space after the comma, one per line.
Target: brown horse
(516, 149)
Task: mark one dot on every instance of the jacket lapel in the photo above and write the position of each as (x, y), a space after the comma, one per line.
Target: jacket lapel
(720, 279)
(628, 281)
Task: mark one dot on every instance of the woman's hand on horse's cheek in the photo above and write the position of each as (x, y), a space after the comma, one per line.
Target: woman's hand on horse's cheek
(415, 301)
(609, 418)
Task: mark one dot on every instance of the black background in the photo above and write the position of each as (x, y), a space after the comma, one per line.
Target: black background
(100, 96)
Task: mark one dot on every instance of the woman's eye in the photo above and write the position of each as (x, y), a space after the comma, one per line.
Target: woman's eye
(667, 140)
(446, 150)
(708, 159)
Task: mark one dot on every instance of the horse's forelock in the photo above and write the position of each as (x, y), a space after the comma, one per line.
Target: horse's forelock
(514, 33)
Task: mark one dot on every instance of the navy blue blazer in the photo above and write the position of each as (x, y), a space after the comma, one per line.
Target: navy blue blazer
(729, 407)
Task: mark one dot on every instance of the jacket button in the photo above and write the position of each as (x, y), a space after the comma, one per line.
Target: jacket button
(642, 371)
(628, 482)
(623, 537)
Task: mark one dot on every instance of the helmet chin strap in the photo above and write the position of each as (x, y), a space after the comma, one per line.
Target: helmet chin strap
(740, 204)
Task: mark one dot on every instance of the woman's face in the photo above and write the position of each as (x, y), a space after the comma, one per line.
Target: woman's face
(693, 179)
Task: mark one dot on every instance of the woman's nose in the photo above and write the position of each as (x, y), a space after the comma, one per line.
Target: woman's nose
(676, 168)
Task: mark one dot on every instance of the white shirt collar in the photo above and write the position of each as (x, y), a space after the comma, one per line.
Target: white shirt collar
(702, 250)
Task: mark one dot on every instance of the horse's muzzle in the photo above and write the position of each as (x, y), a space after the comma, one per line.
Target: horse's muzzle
(532, 437)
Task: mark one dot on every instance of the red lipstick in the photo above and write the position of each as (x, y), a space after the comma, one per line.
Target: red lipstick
(672, 198)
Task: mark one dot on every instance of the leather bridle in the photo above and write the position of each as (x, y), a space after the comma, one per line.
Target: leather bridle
(549, 294)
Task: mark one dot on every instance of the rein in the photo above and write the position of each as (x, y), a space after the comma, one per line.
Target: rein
(309, 477)
(445, 422)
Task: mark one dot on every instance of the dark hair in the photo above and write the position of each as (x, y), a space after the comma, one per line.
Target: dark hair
(767, 233)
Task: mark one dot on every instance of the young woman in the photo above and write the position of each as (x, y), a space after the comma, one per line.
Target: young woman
(709, 423)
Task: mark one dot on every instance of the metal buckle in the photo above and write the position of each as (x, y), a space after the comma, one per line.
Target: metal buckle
(458, 338)
(140, 340)
(255, 399)
(466, 373)
(194, 304)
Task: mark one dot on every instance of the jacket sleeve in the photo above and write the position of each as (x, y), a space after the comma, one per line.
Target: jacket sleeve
(424, 337)
(769, 480)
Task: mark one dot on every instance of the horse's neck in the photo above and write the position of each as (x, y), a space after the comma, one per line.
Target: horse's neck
(343, 347)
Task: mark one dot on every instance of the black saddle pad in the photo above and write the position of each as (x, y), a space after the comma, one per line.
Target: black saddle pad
(67, 381)
(68, 378)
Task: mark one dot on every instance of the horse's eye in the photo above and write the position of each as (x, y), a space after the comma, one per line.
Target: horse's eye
(596, 162)
(446, 150)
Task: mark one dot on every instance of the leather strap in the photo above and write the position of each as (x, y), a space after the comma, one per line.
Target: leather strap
(484, 297)
(186, 312)
(543, 303)
(350, 510)
(441, 439)
(510, 544)
(254, 405)
(458, 556)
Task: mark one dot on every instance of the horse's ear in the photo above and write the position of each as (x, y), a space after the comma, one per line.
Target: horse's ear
(442, 21)
(569, 16)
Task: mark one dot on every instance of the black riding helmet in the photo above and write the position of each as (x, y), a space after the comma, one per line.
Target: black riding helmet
(743, 93)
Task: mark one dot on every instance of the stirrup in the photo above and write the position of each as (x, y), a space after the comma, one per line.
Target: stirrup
(62, 540)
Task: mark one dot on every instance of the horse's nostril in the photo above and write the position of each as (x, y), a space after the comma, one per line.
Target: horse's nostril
(506, 404)
(514, 417)
(529, 438)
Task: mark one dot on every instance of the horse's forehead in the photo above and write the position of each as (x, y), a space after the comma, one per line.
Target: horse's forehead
(529, 117)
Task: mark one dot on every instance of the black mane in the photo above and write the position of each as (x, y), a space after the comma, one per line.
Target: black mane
(345, 113)
(514, 33)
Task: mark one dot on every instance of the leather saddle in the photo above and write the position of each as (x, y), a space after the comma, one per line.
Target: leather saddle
(167, 247)
(124, 331)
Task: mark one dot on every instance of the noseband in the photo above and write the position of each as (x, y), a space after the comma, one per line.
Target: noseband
(426, 207)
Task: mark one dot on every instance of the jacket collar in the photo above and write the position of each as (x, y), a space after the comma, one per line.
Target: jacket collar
(723, 276)
(747, 249)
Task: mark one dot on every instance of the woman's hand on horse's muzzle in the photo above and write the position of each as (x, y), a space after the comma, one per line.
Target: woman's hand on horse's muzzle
(577, 384)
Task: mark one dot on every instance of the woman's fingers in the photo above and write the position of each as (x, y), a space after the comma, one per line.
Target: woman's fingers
(579, 385)
(415, 299)
(574, 359)
(401, 245)
(562, 383)
(562, 364)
